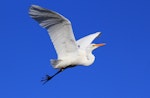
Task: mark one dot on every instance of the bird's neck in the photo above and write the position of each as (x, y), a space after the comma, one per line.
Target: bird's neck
(89, 59)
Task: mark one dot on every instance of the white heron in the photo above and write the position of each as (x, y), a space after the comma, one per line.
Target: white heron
(69, 51)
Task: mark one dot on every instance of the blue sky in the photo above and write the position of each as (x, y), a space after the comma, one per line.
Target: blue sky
(121, 68)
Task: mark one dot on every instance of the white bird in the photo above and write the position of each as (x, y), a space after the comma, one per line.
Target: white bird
(69, 51)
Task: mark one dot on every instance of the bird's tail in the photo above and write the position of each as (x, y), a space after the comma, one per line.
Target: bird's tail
(54, 62)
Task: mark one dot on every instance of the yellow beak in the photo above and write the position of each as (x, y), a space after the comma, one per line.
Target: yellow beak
(99, 45)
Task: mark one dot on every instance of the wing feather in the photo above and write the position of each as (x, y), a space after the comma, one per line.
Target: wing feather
(59, 29)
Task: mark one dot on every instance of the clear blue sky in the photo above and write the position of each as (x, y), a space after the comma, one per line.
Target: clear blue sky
(121, 68)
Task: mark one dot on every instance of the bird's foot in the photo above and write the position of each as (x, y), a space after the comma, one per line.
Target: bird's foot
(46, 79)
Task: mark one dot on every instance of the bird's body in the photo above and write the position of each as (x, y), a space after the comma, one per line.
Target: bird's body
(69, 51)
(73, 59)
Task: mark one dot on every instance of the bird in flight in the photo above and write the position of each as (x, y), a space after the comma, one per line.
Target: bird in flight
(70, 52)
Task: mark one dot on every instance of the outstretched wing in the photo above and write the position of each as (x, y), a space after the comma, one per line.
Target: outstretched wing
(84, 42)
(59, 29)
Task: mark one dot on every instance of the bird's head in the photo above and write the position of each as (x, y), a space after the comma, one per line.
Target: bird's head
(94, 46)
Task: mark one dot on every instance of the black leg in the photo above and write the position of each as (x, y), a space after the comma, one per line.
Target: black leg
(47, 77)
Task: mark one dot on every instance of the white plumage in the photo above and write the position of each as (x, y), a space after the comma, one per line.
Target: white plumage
(69, 51)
